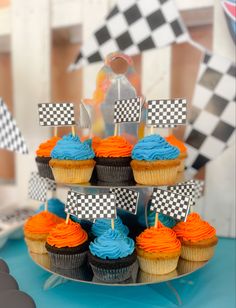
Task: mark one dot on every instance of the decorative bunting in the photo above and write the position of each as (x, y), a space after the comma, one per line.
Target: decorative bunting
(126, 199)
(37, 187)
(212, 126)
(10, 135)
(96, 206)
(127, 110)
(71, 203)
(56, 114)
(170, 204)
(134, 27)
(185, 189)
(166, 112)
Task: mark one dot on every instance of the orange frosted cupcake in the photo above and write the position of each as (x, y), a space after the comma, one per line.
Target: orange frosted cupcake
(44, 156)
(36, 230)
(182, 148)
(158, 250)
(113, 157)
(198, 238)
(67, 245)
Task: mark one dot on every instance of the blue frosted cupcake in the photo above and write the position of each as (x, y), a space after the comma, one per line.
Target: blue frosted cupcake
(112, 256)
(55, 206)
(102, 225)
(72, 160)
(155, 161)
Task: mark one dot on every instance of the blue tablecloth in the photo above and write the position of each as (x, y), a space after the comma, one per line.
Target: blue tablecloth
(212, 286)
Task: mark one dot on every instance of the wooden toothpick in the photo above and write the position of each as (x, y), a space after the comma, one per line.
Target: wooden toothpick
(156, 220)
(55, 131)
(73, 130)
(67, 218)
(112, 224)
(46, 206)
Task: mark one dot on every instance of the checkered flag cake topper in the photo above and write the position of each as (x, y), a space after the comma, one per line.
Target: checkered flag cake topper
(166, 112)
(51, 185)
(198, 188)
(96, 206)
(56, 114)
(10, 136)
(170, 204)
(133, 27)
(126, 199)
(37, 189)
(71, 203)
(127, 110)
(185, 189)
(212, 124)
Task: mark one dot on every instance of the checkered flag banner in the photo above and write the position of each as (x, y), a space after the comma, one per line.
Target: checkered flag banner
(10, 136)
(127, 110)
(132, 27)
(170, 204)
(126, 199)
(51, 185)
(212, 124)
(96, 206)
(166, 112)
(198, 187)
(71, 203)
(185, 189)
(37, 187)
(56, 114)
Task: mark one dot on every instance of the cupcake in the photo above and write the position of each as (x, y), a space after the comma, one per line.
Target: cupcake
(167, 221)
(44, 156)
(155, 161)
(158, 250)
(112, 256)
(182, 148)
(72, 161)
(36, 230)
(102, 225)
(67, 245)
(55, 206)
(198, 238)
(113, 157)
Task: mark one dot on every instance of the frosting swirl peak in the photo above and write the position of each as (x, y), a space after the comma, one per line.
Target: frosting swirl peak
(177, 143)
(114, 146)
(45, 148)
(101, 225)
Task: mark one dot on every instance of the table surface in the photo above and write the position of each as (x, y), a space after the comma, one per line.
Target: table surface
(212, 286)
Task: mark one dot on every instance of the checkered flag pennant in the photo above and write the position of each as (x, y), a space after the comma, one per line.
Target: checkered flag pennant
(132, 27)
(185, 189)
(56, 114)
(126, 199)
(37, 187)
(10, 136)
(51, 185)
(212, 123)
(198, 187)
(96, 206)
(166, 112)
(127, 110)
(170, 204)
(71, 205)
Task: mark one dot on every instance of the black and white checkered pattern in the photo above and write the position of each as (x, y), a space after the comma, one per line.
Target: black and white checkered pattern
(96, 206)
(212, 124)
(170, 204)
(127, 110)
(126, 199)
(10, 136)
(134, 26)
(71, 205)
(56, 114)
(16, 215)
(37, 187)
(51, 185)
(185, 189)
(166, 112)
(199, 187)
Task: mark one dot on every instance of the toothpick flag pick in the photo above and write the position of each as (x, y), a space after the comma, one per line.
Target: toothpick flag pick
(10, 136)
(56, 114)
(71, 203)
(170, 204)
(126, 199)
(185, 189)
(166, 112)
(133, 27)
(96, 206)
(37, 189)
(127, 110)
(51, 185)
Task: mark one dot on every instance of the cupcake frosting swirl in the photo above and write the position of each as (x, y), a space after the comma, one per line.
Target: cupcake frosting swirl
(177, 143)
(112, 245)
(154, 147)
(194, 229)
(156, 240)
(67, 235)
(71, 148)
(45, 148)
(42, 223)
(115, 146)
(102, 225)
